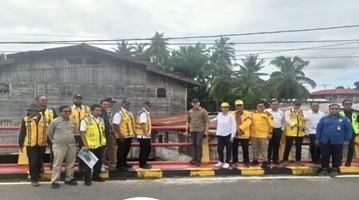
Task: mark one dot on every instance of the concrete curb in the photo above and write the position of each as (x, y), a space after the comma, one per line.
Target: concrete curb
(157, 173)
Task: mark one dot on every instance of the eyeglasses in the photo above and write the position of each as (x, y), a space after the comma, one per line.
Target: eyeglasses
(334, 108)
(348, 104)
(297, 104)
(66, 111)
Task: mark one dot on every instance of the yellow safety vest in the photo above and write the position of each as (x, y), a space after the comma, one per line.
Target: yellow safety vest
(354, 121)
(138, 129)
(94, 132)
(78, 116)
(244, 125)
(127, 123)
(261, 124)
(35, 134)
(48, 115)
(295, 131)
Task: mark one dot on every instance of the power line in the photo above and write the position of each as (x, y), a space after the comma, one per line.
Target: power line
(191, 37)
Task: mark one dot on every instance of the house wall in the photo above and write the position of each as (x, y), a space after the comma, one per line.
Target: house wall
(60, 76)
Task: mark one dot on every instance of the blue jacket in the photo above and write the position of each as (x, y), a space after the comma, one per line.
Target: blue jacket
(336, 129)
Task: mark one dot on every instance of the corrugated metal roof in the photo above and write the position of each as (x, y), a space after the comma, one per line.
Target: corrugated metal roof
(336, 92)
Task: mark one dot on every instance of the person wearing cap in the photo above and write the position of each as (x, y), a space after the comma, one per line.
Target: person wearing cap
(197, 125)
(61, 134)
(311, 118)
(353, 116)
(78, 112)
(261, 133)
(33, 137)
(333, 132)
(48, 114)
(274, 142)
(92, 129)
(294, 130)
(226, 129)
(143, 132)
(124, 125)
(243, 123)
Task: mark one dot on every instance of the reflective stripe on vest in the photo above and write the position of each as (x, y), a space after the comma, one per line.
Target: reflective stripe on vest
(94, 132)
(353, 120)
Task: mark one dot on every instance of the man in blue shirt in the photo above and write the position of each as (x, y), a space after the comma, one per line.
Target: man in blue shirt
(333, 132)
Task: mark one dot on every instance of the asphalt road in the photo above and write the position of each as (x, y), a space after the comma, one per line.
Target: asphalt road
(256, 188)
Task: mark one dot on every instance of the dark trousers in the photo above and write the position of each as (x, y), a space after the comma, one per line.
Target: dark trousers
(197, 138)
(351, 149)
(224, 141)
(314, 149)
(36, 158)
(298, 147)
(145, 150)
(245, 149)
(335, 151)
(124, 147)
(273, 145)
(97, 167)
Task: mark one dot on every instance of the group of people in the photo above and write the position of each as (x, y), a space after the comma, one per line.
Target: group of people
(263, 130)
(96, 129)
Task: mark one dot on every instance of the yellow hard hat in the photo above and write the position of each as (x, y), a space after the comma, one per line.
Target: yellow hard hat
(224, 104)
(238, 102)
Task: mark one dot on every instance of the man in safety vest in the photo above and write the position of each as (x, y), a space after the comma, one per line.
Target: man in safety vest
(243, 123)
(33, 137)
(143, 133)
(92, 129)
(124, 124)
(78, 112)
(353, 116)
(294, 130)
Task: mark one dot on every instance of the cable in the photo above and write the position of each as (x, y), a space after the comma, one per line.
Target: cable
(202, 36)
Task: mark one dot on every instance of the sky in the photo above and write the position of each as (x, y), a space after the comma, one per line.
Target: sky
(43, 20)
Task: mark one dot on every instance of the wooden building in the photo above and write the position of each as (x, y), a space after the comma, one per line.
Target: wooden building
(95, 73)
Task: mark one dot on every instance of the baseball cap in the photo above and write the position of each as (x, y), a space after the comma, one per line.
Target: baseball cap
(224, 104)
(111, 99)
(77, 96)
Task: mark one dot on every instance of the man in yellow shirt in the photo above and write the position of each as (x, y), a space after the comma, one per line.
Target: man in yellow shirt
(261, 132)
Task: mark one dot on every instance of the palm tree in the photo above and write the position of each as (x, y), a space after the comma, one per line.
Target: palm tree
(247, 79)
(190, 60)
(158, 51)
(2, 57)
(289, 82)
(140, 52)
(219, 71)
(124, 49)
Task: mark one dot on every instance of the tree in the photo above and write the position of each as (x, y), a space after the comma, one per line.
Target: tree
(158, 51)
(356, 85)
(124, 49)
(140, 52)
(219, 70)
(339, 87)
(289, 82)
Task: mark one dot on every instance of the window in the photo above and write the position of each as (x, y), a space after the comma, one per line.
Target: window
(161, 92)
(120, 92)
(66, 91)
(4, 89)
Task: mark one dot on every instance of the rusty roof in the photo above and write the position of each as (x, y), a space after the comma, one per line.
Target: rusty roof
(336, 92)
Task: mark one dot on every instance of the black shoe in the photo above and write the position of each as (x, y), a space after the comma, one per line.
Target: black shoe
(98, 179)
(276, 162)
(55, 185)
(264, 165)
(246, 165)
(192, 162)
(198, 163)
(347, 164)
(146, 167)
(35, 184)
(71, 182)
(129, 165)
(333, 174)
(87, 183)
(122, 169)
(324, 172)
(255, 162)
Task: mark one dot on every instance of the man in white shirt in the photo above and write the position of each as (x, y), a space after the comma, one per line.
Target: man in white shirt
(273, 146)
(311, 118)
(226, 129)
